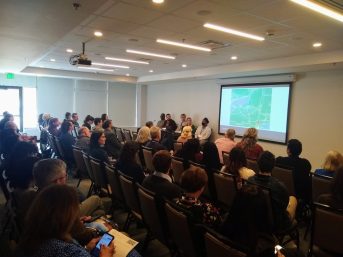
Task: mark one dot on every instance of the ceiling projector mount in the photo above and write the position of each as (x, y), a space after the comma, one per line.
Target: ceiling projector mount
(80, 59)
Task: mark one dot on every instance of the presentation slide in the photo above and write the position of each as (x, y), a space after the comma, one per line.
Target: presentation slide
(260, 106)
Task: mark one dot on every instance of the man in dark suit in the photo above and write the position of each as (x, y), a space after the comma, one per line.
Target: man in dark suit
(154, 143)
(160, 182)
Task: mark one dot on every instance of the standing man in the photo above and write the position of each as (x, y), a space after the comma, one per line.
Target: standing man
(75, 118)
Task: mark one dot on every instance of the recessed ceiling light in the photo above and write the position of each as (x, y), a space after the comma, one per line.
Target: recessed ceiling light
(233, 31)
(52, 60)
(158, 1)
(234, 57)
(125, 60)
(127, 75)
(320, 9)
(168, 42)
(98, 34)
(317, 44)
(90, 68)
(69, 50)
(184, 65)
(110, 65)
(151, 71)
(150, 54)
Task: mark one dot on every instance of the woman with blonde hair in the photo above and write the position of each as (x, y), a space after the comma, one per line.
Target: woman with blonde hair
(185, 135)
(143, 135)
(332, 161)
(249, 144)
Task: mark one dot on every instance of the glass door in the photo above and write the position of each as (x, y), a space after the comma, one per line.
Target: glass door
(11, 101)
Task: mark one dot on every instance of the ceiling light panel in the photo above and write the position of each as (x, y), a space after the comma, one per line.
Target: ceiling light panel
(96, 69)
(125, 60)
(168, 42)
(110, 65)
(150, 54)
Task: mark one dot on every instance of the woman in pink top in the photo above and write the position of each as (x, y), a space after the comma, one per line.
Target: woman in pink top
(226, 143)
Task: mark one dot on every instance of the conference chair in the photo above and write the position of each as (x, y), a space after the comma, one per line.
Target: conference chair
(100, 179)
(177, 168)
(218, 245)
(134, 135)
(177, 146)
(226, 189)
(327, 226)
(59, 147)
(147, 153)
(252, 164)
(90, 173)
(114, 183)
(81, 169)
(226, 158)
(119, 135)
(127, 135)
(285, 176)
(320, 185)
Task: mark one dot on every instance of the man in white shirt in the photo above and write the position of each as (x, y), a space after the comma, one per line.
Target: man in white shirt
(203, 132)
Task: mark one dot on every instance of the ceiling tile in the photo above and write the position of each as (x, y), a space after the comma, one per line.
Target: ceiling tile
(173, 23)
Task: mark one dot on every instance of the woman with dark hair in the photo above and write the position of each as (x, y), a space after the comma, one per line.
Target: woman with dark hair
(96, 146)
(127, 162)
(249, 144)
(67, 116)
(67, 141)
(88, 122)
(238, 165)
(53, 127)
(210, 156)
(98, 124)
(7, 117)
(104, 117)
(48, 233)
(112, 145)
(40, 120)
(335, 198)
(190, 152)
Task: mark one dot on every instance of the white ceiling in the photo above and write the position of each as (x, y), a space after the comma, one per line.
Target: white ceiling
(33, 32)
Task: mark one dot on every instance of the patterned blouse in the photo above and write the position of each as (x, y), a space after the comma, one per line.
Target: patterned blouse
(56, 247)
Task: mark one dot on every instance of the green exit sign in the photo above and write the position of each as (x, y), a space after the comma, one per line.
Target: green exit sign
(10, 75)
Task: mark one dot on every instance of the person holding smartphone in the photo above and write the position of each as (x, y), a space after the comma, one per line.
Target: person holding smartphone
(47, 232)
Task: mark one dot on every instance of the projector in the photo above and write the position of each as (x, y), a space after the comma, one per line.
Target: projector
(80, 59)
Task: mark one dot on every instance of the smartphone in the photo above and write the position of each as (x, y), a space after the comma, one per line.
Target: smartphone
(106, 239)
(277, 248)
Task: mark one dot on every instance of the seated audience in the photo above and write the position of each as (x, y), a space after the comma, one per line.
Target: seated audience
(170, 123)
(300, 167)
(332, 161)
(48, 231)
(203, 132)
(185, 135)
(248, 224)
(210, 156)
(168, 139)
(67, 116)
(112, 145)
(183, 122)
(83, 140)
(40, 120)
(67, 141)
(143, 137)
(89, 120)
(75, 118)
(335, 198)
(154, 143)
(160, 182)
(283, 205)
(249, 144)
(9, 136)
(54, 171)
(127, 162)
(97, 145)
(104, 117)
(238, 166)
(97, 124)
(149, 124)
(7, 117)
(54, 123)
(190, 152)
(189, 123)
(161, 122)
(226, 143)
(46, 118)
(193, 182)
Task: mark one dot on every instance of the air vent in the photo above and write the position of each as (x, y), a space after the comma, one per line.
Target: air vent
(337, 4)
(214, 44)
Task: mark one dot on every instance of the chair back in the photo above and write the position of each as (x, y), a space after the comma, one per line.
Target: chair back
(80, 163)
(130, 194)
(119, 134)
(320, 185)
(177, 167)
(216, 246)
(327, 225)
(285, 176)
(226, 158)
(252, 164)
(147, 153)
(52, 144)
(134, 135)
(59, 147)
(127, 135)
(177, 146)
(206, 192)
(99, 173)
(151, 213)
(88, 166)
(113, 181)
(180, 231)
(226, 188)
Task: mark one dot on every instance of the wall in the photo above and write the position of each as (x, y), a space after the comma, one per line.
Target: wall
(315, 115)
